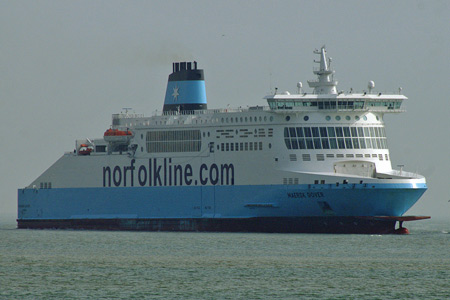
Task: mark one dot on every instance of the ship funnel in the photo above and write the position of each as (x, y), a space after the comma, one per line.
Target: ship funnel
(185, 89)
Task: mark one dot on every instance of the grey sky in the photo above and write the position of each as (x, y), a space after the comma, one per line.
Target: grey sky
(66, 66)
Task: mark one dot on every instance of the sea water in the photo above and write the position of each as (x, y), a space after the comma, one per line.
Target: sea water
(83, 264)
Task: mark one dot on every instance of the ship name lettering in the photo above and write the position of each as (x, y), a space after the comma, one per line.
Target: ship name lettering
(300, 195)
(315, 195)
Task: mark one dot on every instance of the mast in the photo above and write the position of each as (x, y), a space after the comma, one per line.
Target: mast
(324, 83)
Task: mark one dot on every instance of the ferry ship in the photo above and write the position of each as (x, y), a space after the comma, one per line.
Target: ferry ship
(306, 162)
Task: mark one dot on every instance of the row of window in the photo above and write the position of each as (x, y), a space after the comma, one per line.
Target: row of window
(173, 141)
(247, 146)
(45, 185)
(333, 104)
(321, 157)
(335, 138)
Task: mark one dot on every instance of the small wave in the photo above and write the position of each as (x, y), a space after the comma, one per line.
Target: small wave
(443, 231)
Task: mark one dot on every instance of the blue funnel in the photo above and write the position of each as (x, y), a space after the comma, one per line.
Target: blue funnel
(185, 89)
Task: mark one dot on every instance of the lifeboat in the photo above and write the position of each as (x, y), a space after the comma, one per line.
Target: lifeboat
(85, 149)
(117, 136)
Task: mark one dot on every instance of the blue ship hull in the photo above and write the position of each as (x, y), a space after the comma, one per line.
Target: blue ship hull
(267, 208)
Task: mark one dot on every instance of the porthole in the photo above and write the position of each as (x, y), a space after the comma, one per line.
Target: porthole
(347, 118)
(208, 134)
(256, 119)
(222, 120)
(357, 118)
(142, 149)
(245, 119)
(142, 136)
(241, 119)
(365, 118)
(260, 119)
(231, 119)
(306, 118)
(236, 119)
(236, 131)
(270, 146)
(378, 118)
(338, 118)
(328, 118)
(271, 118)
(226, 120)
(288, 118)
(265, 119)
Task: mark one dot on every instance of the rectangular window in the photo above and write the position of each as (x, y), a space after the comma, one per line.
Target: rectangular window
(331, 132)
(323, 132)
(369, 143)
(301, 143)
(232, 147)
(339, 132)
(300, 132)
(354, 132)
(360, 132)
(288, 144)
(315, 131)
(346, 131)
(348, 143)
(341, 143)
(237, 147)
(260, 145)
(366, 132)
(242, 146)
(333, 144)
(355, 143)
(227, 147)
(377, 131)
(255, 146)
(379, 144)
(317, 143)
(307, 131)
(374, 143)
(325, 144)
(292, 132)
(309, 144)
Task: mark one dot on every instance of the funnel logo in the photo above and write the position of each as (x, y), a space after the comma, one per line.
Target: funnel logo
(175, 93)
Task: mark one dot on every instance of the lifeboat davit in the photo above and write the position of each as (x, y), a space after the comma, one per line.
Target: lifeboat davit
(117, 136)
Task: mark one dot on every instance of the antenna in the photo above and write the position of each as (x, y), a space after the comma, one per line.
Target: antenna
(370, 85)
(299, 86)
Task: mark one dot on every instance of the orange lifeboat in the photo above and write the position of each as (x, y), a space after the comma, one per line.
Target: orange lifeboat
(84, 149)
(117, 136)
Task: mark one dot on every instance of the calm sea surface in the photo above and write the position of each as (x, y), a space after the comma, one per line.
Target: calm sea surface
(66, 264)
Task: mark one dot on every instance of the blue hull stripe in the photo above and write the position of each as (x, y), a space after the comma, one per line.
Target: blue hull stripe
(218, 201)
